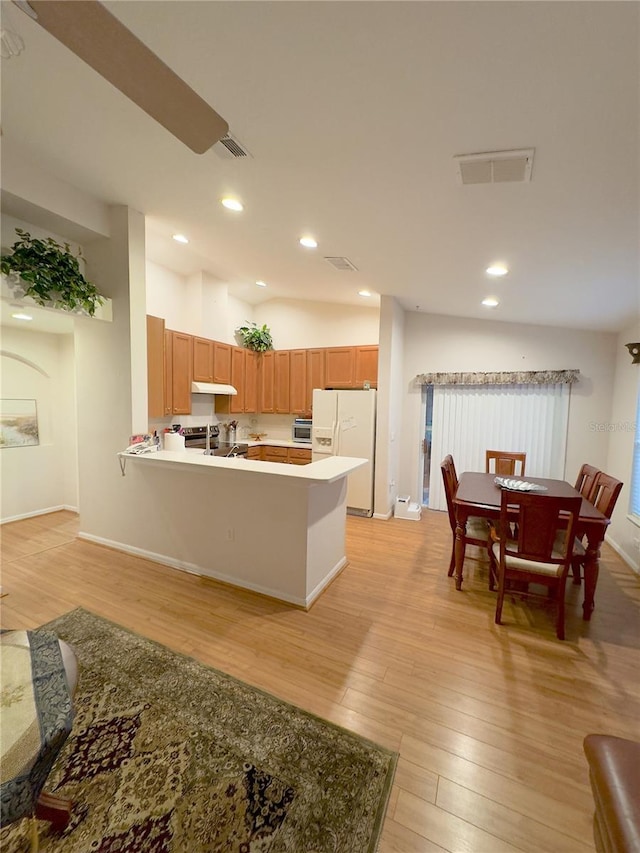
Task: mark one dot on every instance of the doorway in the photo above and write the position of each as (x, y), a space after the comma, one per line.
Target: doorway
(427, 442)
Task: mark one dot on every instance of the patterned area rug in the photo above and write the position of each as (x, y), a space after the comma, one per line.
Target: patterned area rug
(167, 754)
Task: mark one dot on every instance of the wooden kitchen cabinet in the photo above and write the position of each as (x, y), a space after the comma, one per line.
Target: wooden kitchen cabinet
(168, 372)
(315, 376)
(181, 372)
(244, 378)
(299, 456)
(298, 382)
(351, 367)
(267, 377)
(281, 379)
(366, 366)
(222, 362)
(273, 453)
(339, 367)
(155, 367)
(202, 360)
(254, 452)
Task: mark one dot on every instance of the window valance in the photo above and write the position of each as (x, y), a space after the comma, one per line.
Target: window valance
(516, 377)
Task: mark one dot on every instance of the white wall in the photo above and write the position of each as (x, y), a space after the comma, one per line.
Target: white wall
(302, 325)
(439, 343)
(623, 533)
(390, 397)
(40, 478)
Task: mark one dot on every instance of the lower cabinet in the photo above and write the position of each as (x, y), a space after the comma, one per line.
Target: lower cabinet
(275, 453)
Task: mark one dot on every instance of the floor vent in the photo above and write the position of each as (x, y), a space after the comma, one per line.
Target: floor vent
(230, 148)
(495, 167)
(342, 264)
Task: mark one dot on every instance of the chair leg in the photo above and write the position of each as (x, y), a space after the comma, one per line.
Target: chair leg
(560, 605)
(575, 570)
(493, 567)
(452, 561)
(500, 599)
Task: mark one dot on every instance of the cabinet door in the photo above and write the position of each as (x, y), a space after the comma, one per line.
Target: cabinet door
(315, 375)
(221, 363)
(202, 360)
(254, 452)
(155, 366)
(267, 403)
(298, 381)
(299, 456)
(182, 347)
(168, 372)
(339, 367)
(236, 402)
(250, 381)
(282, 370)
(366, 366)
(275, 454)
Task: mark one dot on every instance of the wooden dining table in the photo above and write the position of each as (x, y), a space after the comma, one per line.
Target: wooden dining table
(478, 495)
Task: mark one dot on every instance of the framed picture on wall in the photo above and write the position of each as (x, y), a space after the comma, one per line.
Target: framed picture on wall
(18, 423)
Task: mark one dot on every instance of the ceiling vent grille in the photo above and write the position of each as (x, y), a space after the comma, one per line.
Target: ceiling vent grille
(495, 167)
(342, 264)
(230, 148)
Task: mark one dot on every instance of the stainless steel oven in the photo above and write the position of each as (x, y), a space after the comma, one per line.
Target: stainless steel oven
(196, 438)
(301, 430)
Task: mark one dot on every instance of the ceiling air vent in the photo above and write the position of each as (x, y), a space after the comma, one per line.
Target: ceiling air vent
(342, 264)
(230, 148)
(495, 167)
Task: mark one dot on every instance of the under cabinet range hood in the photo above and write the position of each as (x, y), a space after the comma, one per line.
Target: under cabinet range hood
(211, 388)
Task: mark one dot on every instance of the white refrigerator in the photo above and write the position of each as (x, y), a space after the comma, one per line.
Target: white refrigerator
(344, 424)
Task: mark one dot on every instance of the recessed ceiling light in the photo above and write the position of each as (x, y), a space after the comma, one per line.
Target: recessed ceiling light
(490, 302)
(363, 293)
(22, 317)
(232, 204)
(261, 283)
(497, 270)
(180, 238)
(308, 242)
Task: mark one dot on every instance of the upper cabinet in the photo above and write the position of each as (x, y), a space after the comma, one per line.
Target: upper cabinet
(182, 371)
(222, 362)
(281, 379)
(244, 378)
(366, 366)
(202, 360)
(266, 384)
(298, 382)
(351, 367)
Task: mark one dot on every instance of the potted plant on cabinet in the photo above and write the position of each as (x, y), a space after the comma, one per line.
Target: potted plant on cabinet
(254, 337)
(50, 274)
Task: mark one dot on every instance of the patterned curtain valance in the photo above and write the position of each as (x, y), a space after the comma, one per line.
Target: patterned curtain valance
(516, 377)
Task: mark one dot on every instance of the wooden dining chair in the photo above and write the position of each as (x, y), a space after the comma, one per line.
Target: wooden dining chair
(505, 463)
(477, 530)
(542, 551)
(586, 481)
(604, 495)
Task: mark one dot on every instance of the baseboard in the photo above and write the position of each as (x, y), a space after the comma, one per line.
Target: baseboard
(634, 565)
(324, 583)
(383, 516)
(39, 512)
(193, 569)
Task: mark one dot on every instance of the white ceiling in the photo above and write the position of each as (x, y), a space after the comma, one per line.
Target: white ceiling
(353, 112)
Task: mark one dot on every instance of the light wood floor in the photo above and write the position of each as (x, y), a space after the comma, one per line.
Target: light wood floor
(488, 720)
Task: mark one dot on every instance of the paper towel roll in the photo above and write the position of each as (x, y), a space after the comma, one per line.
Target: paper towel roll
(173, 441)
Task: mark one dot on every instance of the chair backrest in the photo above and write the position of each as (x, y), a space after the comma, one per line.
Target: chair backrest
(539, 518)
(585, 484)
(450, 478)
(605, 493)
(504, 462)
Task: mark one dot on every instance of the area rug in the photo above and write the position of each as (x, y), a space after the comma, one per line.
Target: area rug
(167, 755)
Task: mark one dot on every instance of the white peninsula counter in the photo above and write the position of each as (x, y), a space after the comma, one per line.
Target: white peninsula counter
(274, 528)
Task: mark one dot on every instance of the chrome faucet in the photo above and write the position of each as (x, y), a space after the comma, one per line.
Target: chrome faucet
(231, 452)
(208, 444)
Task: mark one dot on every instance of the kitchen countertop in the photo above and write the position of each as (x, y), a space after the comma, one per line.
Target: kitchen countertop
(326, 470)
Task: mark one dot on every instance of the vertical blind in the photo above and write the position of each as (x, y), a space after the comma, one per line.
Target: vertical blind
(634, 507)
(468, 420)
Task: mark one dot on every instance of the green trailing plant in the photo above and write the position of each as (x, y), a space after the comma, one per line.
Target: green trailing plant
(51, 274)
(254, 337)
